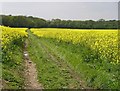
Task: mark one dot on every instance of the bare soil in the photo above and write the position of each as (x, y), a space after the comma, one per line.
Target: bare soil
(31, 81)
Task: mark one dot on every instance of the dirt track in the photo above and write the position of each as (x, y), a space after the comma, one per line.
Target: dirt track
(31, 81)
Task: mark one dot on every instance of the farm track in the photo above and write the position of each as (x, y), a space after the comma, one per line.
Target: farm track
(31, 81)
(61, 63)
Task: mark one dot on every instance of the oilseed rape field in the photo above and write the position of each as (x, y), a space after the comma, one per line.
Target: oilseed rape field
(11, 34)
(105, 43)
(92, 53)
(64, 58)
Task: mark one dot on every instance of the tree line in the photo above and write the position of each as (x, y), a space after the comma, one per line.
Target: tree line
(35, 22)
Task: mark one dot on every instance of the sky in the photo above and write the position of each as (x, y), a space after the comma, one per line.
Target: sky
(59, 0)
(63, 10)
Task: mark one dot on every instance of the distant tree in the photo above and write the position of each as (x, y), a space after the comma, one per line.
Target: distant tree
(35, 22)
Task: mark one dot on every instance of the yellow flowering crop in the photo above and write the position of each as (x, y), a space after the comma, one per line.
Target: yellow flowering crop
(103, 42)
(10, 34)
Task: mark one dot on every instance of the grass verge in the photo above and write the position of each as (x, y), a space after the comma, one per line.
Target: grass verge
(13, 66)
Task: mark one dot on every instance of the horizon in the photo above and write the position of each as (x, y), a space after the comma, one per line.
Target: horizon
(57, 18)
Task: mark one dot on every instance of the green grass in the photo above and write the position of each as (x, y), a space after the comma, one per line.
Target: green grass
(59, 65)
(94, 73)
(51, 74)
(13, 66)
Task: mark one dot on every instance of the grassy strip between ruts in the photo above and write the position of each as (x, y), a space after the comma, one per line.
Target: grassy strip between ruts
(97, 75)
(50, 74)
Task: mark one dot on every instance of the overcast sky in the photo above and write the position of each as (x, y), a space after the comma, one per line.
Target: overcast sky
(63, 10)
